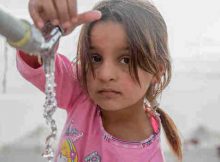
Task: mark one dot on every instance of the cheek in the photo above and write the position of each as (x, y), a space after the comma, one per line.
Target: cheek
(145, 79)
(132, 87)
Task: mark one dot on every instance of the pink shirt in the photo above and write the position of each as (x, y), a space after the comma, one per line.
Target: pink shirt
(83, 138)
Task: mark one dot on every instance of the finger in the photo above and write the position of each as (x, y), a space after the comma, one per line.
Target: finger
(88, 16)
(72, 8)
(85, 17)
(35, 11)
(39, 59)
(69, 30)
(50, 12)
(63, 13)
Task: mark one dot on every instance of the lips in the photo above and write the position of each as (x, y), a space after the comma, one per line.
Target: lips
(109, 92)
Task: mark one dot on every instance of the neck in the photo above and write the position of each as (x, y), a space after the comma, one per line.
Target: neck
(129, 124)
(129, 114)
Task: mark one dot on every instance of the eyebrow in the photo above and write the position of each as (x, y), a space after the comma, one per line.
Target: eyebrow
(121, 49)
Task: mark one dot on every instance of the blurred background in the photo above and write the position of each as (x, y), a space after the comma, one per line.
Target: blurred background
(192, 99)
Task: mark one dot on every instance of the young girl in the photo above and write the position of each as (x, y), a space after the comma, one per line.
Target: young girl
(110, 93)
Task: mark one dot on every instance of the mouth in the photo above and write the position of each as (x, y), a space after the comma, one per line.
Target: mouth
(109, 92)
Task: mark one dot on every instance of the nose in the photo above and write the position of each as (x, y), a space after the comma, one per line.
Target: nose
(107, 72)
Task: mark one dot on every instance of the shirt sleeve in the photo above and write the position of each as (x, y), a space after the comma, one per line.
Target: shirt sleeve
(68, 87)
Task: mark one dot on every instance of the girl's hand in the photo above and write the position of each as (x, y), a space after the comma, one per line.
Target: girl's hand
(60, 12)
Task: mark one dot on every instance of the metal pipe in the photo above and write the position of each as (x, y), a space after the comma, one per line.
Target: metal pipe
(20, 34)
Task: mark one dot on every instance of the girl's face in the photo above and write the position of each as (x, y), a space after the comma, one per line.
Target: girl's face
(113, 88)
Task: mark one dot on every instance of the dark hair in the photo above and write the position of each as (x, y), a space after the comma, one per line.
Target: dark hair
(148, 44)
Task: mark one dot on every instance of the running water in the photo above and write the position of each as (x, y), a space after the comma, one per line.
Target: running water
(50, 105)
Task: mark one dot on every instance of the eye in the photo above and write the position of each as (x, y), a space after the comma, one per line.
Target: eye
(96, 58)
(125, 60)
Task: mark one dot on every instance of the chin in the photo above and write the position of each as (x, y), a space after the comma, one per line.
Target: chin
(110, 107)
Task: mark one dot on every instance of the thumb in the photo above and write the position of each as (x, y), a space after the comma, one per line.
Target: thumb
(88, 16)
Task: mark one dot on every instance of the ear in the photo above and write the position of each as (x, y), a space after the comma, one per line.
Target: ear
(156, 78)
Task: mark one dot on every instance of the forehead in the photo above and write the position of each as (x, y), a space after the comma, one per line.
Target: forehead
(108, 34)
